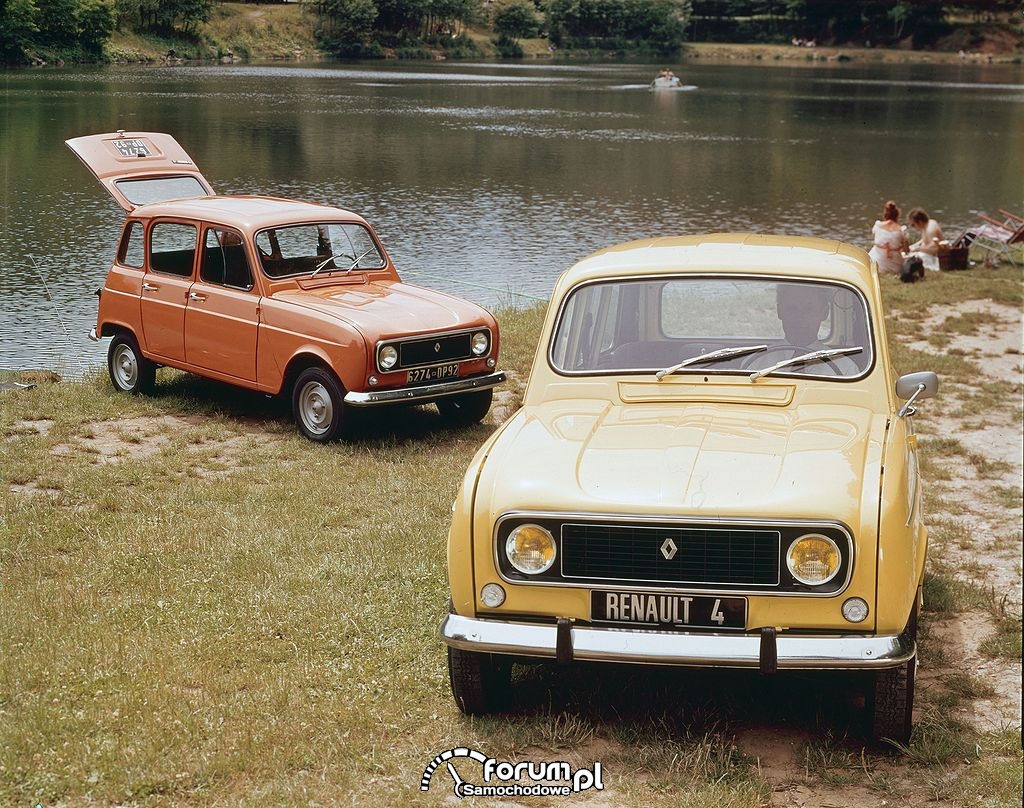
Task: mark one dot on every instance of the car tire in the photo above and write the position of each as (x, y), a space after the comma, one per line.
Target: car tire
(130, 372)
(318, 405)
(468, 408)
(891, 699)
(481, 683)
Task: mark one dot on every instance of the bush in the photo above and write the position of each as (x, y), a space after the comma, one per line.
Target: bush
(657, 25)
(516, 20)
(508, 48)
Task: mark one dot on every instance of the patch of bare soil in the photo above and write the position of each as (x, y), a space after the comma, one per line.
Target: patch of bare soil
(965, 633)
(143, 437)
(37, 427)
(778, 752)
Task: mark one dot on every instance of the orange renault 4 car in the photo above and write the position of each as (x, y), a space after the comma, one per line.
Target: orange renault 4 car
(274, 295)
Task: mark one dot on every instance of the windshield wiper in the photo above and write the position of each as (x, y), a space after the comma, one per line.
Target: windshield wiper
(813, 356)
(349, 268)
(360, 258)
(721, 353)
(322, 264)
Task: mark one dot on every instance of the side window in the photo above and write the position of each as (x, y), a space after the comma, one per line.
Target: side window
(132, 252)
(172, 248)
(224, 261)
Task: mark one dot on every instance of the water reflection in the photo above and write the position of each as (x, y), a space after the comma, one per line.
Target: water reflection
(488, 180)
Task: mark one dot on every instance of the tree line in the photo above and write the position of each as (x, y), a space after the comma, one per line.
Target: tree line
(79, 28)
(879, 22)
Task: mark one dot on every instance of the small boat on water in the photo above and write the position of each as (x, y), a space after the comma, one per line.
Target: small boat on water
(666, 82)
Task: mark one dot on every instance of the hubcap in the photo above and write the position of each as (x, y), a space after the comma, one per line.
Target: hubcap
(315, 407)
(126, 367)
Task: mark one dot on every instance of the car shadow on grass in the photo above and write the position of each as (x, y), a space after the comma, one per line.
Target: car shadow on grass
(255, 411)
(664, 702)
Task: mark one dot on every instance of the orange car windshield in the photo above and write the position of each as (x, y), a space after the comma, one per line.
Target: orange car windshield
(304, 249)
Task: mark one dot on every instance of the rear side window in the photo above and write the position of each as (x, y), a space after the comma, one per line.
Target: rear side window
(132, 252)
(172, 248)
(224, 261)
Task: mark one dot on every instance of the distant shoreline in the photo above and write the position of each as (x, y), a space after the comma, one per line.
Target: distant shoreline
(722, 51)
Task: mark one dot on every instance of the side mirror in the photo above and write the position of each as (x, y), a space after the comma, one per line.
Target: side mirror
(913, 386)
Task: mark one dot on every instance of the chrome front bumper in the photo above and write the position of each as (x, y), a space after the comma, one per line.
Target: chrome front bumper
(671, 648)
(426, 392)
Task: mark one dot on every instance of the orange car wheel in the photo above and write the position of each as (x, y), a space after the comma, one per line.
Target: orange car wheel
(318, 405)
(130, 371)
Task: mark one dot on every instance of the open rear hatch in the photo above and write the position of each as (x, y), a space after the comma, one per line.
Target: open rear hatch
(138, 168)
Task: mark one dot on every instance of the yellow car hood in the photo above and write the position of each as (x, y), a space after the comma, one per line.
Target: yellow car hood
(712, 460)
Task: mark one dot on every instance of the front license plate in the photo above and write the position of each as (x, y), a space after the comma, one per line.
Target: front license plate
(433, 374)
(668, 611)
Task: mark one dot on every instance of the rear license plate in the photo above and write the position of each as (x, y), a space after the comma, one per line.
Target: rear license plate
(433, 374)
(659, 610)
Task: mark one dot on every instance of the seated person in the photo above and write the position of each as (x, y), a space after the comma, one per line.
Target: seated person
(890, 240)
(927, 247)
(802, 308)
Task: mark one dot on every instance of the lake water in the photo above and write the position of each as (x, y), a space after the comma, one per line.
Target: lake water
(487, 180)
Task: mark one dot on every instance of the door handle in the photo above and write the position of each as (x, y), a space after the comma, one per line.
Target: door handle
(196, 296)
(148, 287)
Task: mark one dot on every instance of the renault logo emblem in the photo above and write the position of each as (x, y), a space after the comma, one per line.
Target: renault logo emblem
(669, 549)
(437, 347)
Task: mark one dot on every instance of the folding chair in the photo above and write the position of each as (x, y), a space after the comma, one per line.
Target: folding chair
(995, 236)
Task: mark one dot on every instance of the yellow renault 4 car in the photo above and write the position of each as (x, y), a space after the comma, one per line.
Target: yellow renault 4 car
(714, 466)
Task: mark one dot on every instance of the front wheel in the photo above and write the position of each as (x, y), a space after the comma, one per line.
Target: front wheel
(481, 683)
(468, 408)
(130, 372)
(891, 698)
(318, 405)
(892, 703)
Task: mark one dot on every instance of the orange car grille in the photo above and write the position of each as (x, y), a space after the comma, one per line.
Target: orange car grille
(434, 350)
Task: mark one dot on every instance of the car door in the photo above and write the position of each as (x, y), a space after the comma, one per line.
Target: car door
(222, 311)
(170, 267)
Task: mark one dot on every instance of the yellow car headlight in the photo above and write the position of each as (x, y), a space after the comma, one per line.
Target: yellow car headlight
(531, 549)
(813, 559)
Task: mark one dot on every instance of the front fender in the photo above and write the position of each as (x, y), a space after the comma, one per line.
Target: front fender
(902, 537)
(460, 534)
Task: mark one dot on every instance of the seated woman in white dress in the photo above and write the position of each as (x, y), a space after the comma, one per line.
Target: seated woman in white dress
(927, 247)
(890, 240)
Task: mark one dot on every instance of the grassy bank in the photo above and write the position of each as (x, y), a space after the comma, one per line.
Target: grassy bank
(199, 607)
(234, 30)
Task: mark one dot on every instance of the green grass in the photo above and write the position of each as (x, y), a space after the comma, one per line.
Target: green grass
(1005, 642)
(995, 781)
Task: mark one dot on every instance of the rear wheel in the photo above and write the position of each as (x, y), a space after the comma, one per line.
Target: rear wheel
(891, 700)
(130, 372)
(468, 408)
(481, 683)
(318, 405)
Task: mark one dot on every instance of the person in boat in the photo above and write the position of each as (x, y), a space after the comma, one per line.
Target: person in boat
(666, 78)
